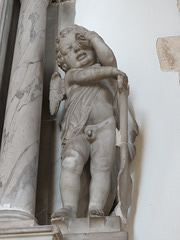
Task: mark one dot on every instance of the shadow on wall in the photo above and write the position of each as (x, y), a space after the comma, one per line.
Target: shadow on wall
(48, 123)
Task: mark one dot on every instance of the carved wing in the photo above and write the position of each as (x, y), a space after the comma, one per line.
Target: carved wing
(57, 92)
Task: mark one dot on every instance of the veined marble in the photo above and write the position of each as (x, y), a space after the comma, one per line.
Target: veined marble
(20, 141)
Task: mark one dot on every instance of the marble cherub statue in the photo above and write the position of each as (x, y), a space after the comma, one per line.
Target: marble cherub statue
(88, 129)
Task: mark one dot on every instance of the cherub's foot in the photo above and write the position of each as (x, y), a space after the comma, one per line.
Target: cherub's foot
(96, 213)
(63, 214)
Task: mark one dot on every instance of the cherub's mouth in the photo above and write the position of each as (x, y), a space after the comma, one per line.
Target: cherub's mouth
(81, 56)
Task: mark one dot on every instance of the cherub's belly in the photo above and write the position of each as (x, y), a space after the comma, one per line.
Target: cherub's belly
(102, 109)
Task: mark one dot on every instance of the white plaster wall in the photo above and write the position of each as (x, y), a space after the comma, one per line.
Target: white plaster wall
(131, 29)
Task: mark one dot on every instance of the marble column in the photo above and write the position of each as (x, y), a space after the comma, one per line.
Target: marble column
(9, 13)
(21, 132)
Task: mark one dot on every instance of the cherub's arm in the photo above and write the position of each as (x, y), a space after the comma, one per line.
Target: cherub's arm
(91, 74)
(104, 53)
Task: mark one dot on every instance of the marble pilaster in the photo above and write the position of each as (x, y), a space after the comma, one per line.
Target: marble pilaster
(9, 11)
(21, 133)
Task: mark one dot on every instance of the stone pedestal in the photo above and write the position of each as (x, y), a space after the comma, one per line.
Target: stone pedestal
(99, 228)
(97, 236)
(31, 233)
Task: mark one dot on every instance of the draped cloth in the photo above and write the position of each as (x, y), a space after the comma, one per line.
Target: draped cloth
(78, 108)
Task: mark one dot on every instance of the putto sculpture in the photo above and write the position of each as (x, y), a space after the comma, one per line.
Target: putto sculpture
(90, 158)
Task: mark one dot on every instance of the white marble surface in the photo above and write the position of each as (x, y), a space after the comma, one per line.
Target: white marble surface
(7, 9)
(20, 141)
(32, 233)
(18, 224)
(99, 228)
(89, 225)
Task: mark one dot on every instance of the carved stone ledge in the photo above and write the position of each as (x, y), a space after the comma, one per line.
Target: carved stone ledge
(92, 224)
(99, 228)
(97, 236)
(31, 233)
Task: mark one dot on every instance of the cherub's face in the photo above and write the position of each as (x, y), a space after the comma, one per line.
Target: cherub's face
(76, 55)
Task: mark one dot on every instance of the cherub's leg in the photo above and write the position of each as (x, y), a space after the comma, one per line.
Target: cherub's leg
(74, 158)
(102, 157)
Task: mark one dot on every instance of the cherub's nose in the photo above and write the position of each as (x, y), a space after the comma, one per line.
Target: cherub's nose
(76, 48)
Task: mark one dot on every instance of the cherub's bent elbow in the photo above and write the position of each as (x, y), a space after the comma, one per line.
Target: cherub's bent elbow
(112, 61)
(109, 59)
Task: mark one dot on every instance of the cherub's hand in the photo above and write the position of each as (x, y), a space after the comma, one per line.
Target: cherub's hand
(82, 40)
(121, 76)
(85, 38)
(122, 81)
(91, 35)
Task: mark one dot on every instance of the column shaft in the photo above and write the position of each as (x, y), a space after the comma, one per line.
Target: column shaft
(21, 133)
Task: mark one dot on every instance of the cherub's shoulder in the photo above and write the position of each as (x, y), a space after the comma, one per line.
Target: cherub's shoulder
(71, 72)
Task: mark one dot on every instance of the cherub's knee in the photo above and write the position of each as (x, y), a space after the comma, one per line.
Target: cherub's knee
(73, 164)
(101, 164)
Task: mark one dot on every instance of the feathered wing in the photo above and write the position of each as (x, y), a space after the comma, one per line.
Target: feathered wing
(57, 92)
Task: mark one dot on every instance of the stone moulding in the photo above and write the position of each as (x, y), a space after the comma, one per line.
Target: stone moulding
(16, 215)
(89, 225)
(97, 236)
(32, 233)
(99, 228)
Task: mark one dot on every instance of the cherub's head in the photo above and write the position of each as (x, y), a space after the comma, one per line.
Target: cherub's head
(73, 49)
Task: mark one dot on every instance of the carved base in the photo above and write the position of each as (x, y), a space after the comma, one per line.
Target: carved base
(31, 233)
(99, 228)
(13, 215)
(88, 225)
(17, 224)
(97, 236)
